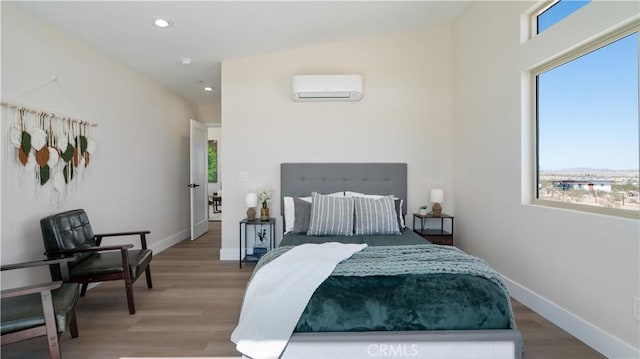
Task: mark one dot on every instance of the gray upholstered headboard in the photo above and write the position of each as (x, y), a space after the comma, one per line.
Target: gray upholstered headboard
(300, 179)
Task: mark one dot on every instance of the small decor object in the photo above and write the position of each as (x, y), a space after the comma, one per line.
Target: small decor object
(259, 251)
(251, 200)
(423, 210)
(437, 196)
(264, 195)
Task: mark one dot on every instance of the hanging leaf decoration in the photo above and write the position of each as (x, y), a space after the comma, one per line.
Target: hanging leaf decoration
(67, 171)
(82, 142)
(44, 174)
(38, 138)
(76, 157)
(42, 156)
(67, 155)
(51, 148)
(15, 136)
(23, 156)
(26, 142)
(54, 156)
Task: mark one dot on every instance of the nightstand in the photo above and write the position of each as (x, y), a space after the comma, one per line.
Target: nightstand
(437, 234)
(257, 225)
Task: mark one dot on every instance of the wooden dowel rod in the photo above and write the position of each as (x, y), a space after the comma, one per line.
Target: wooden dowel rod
(31, 110)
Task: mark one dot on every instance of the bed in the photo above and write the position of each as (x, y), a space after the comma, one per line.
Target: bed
(355, 315)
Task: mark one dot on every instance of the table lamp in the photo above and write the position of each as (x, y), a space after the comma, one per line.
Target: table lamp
(437, 196)
(251, 201)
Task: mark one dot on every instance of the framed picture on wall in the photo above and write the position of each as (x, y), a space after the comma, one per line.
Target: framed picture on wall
(213, 161)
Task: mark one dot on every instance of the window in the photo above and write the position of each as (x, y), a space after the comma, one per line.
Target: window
(556, 11)
(587, 150)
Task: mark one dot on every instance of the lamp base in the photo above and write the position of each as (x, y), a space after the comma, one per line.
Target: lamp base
(436, 210)
(251, 213)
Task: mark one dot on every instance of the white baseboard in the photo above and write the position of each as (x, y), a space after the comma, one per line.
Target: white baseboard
(170, 241)
(605, 343)
(229, 254)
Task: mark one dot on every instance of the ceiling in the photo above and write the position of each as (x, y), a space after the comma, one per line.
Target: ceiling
(209, 32)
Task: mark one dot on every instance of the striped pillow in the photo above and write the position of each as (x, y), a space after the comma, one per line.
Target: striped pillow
(375, 216)
(330, 216)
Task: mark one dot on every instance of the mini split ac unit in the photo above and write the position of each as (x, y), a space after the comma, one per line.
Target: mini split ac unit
(327, 88)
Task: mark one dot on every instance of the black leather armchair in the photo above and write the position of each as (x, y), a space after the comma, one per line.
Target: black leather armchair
(40, 310)
(70, 234)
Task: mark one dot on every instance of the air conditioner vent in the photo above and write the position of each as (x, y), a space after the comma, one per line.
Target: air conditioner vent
(327, 88)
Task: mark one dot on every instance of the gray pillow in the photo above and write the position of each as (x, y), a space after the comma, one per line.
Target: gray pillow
(376, 216)
(398, 206)
(302, 215)
(331, 216)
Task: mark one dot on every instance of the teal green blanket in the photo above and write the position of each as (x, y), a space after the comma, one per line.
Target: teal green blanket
(406, 237)
(398, 288)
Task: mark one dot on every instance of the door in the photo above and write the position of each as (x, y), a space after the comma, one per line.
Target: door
(198, 179)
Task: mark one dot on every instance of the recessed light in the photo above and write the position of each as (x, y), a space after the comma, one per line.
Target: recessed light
(161, 22)
(208, 88)
(185, 61)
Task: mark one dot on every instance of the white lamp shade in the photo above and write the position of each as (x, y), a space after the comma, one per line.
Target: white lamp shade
(437, 195)
(251, 199)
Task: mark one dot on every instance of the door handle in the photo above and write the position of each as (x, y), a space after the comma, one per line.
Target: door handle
(193, 185)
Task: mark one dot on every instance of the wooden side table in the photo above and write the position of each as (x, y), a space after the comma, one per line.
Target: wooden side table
(434, 235)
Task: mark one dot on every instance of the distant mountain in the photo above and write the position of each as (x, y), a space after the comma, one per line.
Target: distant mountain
(592, 172)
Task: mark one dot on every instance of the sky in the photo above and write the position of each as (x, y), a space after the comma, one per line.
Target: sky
(588, 108)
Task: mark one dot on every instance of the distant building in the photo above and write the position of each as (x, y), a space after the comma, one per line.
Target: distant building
(587, 185)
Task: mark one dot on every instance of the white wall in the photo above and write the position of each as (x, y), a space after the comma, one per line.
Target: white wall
(209, 113)
(405, 116)
(139, 173)
(580, 270)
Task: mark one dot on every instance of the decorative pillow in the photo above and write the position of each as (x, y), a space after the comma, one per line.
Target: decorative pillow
(302, 215)
(398, 204)
(289, 210)
(375, 216)
(331, 216)
(289, 214)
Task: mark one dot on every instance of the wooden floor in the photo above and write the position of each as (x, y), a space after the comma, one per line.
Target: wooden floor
(194, 306)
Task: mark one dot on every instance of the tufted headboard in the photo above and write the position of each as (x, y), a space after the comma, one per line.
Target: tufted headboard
(300, 179)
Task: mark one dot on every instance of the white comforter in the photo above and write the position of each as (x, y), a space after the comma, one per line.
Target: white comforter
(278, 293)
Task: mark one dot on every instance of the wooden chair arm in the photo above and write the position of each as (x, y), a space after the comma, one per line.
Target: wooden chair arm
(37, 288)
(117, 234)
(91, 249)
(142, 234)
(35, 263)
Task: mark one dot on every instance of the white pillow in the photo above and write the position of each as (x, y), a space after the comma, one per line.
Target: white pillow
(290, 211)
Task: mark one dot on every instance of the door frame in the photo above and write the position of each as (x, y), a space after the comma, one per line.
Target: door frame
(214, 125)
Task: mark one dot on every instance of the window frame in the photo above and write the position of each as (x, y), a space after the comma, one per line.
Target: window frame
(595, 44)
(533, 18)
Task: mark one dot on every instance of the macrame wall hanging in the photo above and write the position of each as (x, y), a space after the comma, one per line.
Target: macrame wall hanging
(53, 149)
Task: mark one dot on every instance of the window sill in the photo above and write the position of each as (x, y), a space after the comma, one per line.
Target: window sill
(607, 211)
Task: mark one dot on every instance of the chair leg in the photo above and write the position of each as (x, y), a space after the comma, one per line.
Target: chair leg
(73, 326)
(50, 325)
(128, 286)
(147, 274)
(83, 289)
